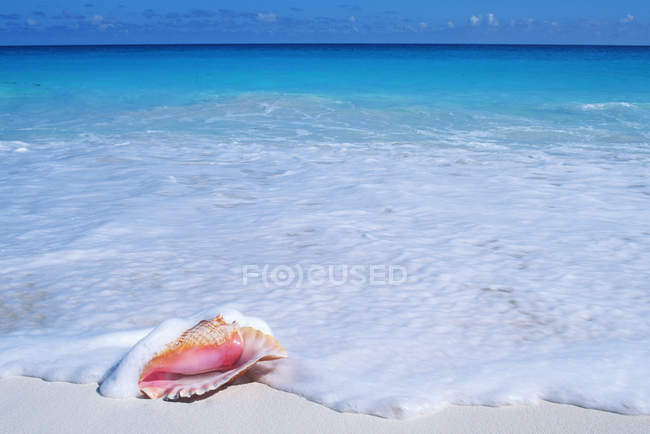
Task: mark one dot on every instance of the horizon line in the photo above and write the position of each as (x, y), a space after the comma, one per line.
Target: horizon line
(170, 44)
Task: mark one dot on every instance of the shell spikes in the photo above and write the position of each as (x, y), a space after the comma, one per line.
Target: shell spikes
(205, 357)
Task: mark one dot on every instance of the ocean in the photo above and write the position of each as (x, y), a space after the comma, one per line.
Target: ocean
(420, 225)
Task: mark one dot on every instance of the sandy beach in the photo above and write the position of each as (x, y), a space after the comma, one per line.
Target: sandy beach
(32, 405)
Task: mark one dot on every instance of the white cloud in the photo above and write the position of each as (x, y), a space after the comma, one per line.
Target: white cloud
(266, 18)
(352, 18)
(474, 20)
(451, 24)
(492, 20)
(424, 25)
(528, 22)
(31, 22)
(100, 22)
(627, 19)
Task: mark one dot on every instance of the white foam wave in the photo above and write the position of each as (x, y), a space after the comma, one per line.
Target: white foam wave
(525, 242)
(605, 105)
(14, 145)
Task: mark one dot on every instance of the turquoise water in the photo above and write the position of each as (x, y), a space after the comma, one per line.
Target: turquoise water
(509, 182)
(538, 83)
(510, 78)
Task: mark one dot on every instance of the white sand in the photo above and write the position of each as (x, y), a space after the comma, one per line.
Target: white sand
(32, 405)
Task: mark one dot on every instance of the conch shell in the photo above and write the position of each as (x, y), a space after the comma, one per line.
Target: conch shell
(205, 357)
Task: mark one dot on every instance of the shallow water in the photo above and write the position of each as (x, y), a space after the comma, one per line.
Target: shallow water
(510, 184)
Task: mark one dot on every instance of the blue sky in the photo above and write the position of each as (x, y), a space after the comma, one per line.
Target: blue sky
(419, 21)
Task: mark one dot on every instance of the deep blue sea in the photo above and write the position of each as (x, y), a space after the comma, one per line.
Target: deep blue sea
(508, 185)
